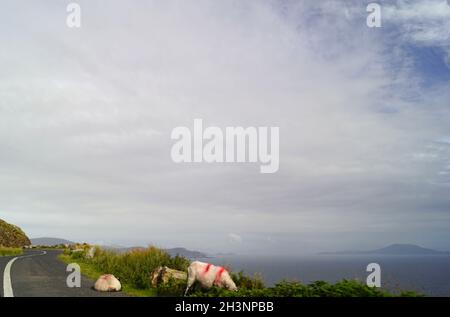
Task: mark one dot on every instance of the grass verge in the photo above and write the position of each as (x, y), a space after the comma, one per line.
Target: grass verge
(4, 251)
(90, 271)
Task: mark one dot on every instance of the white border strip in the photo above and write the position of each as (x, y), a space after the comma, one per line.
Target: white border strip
(7, 284)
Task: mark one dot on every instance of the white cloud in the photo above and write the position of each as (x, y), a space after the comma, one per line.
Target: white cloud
(425, 22)
(234, 238)
(86, 116)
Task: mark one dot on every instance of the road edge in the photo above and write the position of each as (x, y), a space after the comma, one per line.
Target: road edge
(7, 282)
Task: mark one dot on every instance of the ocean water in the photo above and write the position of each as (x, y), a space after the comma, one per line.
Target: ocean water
(429, 275)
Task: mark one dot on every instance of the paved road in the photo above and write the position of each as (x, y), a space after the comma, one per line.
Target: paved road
(37, 274)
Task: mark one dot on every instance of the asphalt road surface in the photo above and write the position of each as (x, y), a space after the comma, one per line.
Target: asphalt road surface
(41, 273)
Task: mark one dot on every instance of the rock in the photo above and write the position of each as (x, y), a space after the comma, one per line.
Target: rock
(90, 253)
(162, 275)
(107, 283)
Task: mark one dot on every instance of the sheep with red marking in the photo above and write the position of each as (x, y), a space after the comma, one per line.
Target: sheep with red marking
(208, 275)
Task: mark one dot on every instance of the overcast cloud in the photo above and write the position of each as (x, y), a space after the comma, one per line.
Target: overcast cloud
(86, 116)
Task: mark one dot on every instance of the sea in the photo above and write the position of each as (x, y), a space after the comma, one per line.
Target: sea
(428, 275)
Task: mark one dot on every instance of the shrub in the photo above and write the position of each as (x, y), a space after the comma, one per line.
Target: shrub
(344, 288)
(133, 267)
(245, 282)
(173, 288)
(78, 255)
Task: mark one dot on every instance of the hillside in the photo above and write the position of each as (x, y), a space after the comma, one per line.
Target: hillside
(12, 236)
(186, 253)
(50, 241)
(405, 249)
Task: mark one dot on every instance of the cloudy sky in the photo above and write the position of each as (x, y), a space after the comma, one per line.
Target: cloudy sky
(364, 115)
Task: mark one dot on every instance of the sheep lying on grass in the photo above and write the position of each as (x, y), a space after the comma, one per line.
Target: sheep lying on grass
(209, 275)
(107, 283)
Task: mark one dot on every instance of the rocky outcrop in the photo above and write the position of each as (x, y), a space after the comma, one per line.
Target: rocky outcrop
(163, 274)
(12, 236)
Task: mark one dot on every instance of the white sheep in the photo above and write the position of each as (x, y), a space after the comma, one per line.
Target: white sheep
(209, 275)
(108, 283)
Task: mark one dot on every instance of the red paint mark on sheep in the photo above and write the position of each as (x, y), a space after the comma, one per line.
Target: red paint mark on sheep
(219, 275)
(207, 268)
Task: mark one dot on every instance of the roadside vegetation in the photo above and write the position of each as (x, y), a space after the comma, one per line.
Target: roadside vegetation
(133, 268)
(6, 251)
(254, 287)
(48, 247)
(344, 288)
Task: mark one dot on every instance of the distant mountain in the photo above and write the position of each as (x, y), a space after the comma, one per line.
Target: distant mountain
(50, 241)
(173, 251)
(12, 236)
(408, 249)
(186, 253)
(394, 249)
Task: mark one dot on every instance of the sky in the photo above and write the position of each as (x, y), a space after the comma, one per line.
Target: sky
(86, 116)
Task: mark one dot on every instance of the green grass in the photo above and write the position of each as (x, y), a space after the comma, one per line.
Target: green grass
(134, 268)
(344, 288)
(254, 287)
(88, 270)
(49, 247)
(4, 251)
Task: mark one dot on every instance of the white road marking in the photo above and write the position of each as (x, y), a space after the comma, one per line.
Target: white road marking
(7, 284)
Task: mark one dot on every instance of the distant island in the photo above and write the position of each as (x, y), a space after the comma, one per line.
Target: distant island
(186, 253)
(393, 249)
